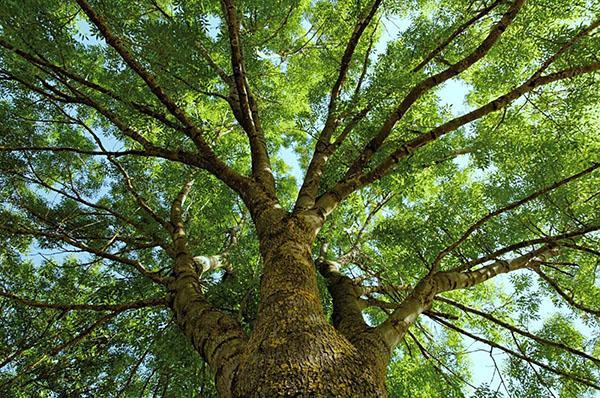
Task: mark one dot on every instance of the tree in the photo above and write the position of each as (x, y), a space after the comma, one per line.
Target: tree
(156, 235)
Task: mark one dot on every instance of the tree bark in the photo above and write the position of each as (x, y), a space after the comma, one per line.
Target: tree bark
(294, 350)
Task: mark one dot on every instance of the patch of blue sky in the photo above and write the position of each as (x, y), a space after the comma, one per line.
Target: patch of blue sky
(213, 26)
(453, 97)
(275, 59)
(84, 34)
(392, 27)
(292, 160)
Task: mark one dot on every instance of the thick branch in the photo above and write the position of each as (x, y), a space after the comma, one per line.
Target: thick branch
(328, 201)
(215, 335)
(178, 228)
(446, 281)
(210, 263)
(347, 310)
(421, 298)
(324, 148)
(247, 113)
(212, 162)
(409, 147)
(356, 179)
(425, 85)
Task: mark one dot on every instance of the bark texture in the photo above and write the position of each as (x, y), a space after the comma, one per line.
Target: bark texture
(293, 349)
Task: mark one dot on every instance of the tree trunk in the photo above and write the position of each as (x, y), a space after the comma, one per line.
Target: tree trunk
(293, 349)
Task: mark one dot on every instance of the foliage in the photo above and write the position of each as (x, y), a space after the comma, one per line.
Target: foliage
(76, 184)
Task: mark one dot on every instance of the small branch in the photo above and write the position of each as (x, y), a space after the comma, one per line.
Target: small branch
(510, 206)
(568, 375)
(79, 151)
(514, 329)
(137, 265)
(537, 375)
(59, 71)
(564, 295)
(460, 30)
(556, 240)
(85, 307)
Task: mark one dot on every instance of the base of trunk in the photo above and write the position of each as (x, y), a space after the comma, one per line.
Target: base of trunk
(316, 362)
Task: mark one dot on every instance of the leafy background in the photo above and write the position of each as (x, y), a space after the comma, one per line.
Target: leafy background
(292, 50)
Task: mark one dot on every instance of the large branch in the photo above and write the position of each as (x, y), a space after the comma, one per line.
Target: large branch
(355, 177)
(536, 80)
(247, 113)
(421, 298)
(212, 162)
(329, 200)
(345, 294)
(323, 147)
(425, 85)
(215, 335)
(451, 280)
